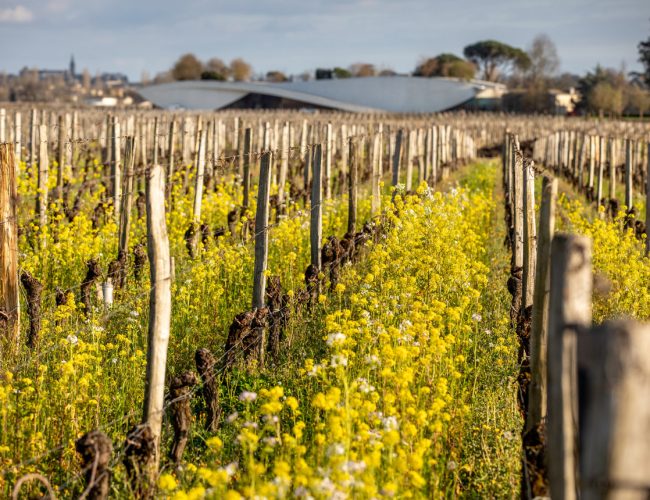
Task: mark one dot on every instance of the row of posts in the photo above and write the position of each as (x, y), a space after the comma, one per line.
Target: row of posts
(582, 387)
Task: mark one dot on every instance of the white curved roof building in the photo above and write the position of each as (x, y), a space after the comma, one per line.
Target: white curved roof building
(396, 94)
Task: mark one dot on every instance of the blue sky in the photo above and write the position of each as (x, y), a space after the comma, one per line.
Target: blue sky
(297, 35)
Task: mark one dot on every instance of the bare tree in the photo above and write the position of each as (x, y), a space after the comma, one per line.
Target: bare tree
(276, 76)
(241, 71)
(362, 69)
(544, 61)
(188, 67)
(218, 67)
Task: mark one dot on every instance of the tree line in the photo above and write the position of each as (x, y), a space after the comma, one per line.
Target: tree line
(531, 75)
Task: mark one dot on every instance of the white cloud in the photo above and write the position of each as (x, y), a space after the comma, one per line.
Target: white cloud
(17, 14)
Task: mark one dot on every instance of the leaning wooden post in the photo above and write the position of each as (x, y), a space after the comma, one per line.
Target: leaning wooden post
(9, 303)
(316, 222)
(352, 188)
(160, 300)
(614, 410)
(569, 312)
(629, 202)
(43, 174)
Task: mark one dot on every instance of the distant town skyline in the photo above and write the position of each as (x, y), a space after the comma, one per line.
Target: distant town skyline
(293, 36)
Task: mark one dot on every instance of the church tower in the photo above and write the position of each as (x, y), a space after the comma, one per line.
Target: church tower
(72, 70)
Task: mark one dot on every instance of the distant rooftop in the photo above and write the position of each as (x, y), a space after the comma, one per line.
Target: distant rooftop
(396, 94)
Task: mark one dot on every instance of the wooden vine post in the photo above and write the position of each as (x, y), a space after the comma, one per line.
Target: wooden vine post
(328, 161)
(396, 157)
(127, 200)
(629, 201)
(116, 167)
(60, 158)
(9, 302)
(570, 302)
(539, 328)
(614, 410)
(352, 187)
(376, 175)
(316, 222)
(43, 175)
(284, 166)
(171, 151)
(160, 300)
(248, 148)
(262, 243)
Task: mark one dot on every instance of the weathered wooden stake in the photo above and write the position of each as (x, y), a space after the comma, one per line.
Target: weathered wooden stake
(127, 201)
(9, 303)
(116, 168)
(248, 147)
(614, 411)
(629, 201)
(569, 312)
(316, 223)
(539, 327)
(284, 166)
(352, 187)
(396, 157)
(159, 308)
(43, 174)
(376, 175)
(261, 230)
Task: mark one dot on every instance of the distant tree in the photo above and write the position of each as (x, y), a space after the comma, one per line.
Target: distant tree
(361, 70)
(565, 81)
(163, 77)
(341, 73)
(544, 61)
(217, 69)
(644, 59)
(494, 57)
(446, 65)
(213, 75)
(240, 70)
(600, 86)
(276, 76)
(188, 67)
(605, 98)
(305, 76)
(638, 100)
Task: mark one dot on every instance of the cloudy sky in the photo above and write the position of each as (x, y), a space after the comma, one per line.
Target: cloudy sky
(133, 36)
